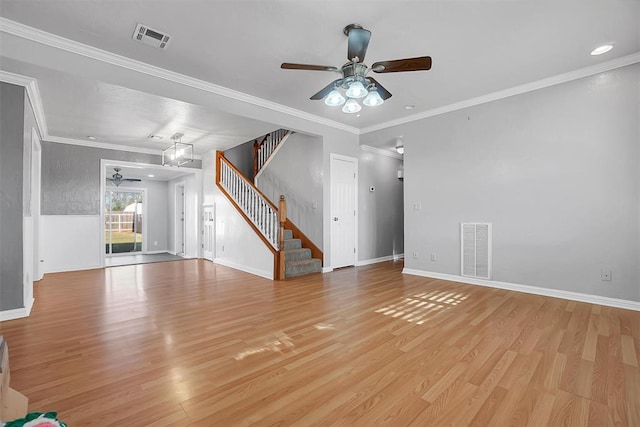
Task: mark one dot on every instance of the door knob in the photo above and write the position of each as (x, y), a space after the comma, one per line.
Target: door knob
(335, 218)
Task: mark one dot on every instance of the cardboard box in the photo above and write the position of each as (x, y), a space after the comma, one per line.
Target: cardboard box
(13, 404)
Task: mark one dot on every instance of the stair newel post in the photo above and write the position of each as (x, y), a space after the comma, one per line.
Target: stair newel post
(282, 218)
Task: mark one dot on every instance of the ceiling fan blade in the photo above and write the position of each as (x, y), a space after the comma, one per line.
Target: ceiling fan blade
(325, 91)
(384, 94)
(408, 64)
(132, 179)
(290, 66)
(358, 43)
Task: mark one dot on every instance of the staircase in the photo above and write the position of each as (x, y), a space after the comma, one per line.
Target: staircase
(265, 148)
(294, 253)
(298, 260)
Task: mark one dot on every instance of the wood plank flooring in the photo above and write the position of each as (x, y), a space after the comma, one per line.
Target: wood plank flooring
(193, 343)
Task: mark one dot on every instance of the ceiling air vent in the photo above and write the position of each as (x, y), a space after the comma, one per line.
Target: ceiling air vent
(151, 37)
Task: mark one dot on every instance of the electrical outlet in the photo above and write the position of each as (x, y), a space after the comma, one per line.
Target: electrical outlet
(415, 254)
(434, 257)
(605, 275)
(417, 206)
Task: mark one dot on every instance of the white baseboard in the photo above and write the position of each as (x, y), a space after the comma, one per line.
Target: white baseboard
(381, 259)
(17, 313)
(556, 293)
(250, 270)
(171, 252)
(161, 251)
(327, 269)
(76, 268)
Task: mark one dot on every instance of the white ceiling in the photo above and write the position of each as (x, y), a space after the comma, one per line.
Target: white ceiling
(478, 47)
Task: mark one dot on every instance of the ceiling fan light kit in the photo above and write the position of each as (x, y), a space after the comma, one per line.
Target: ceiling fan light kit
(117, 178)
(355, 81)
(178, 154)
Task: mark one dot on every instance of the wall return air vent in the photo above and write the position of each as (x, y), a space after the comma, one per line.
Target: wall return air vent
(475, 249)
(151, 37)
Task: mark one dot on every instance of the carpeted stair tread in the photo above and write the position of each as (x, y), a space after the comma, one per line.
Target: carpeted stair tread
(301, 267)
(297, 254)
(292, 244)
(288, 234)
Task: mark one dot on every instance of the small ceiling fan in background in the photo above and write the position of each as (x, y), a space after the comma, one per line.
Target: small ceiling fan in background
(117, 179)
(355, 80)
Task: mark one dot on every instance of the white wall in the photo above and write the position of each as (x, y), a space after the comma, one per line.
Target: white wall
(237, 244)
(557, 173)
(71, 242)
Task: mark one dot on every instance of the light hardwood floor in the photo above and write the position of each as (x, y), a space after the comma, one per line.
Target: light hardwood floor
(192, 343)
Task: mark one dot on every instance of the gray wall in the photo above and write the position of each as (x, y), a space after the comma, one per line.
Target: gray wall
(71, 176)
(381, 219)
(157, 207)
(241, 157)
(12, 108)
(557, 173)
(296, 172)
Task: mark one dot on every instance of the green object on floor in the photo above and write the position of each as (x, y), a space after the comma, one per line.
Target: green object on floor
(33, 419)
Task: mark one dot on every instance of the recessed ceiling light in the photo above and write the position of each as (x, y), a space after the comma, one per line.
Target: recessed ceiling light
(93, 138)
(150, 176)
(409, 107)
(601, 49)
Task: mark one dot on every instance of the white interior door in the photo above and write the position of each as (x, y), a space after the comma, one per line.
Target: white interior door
(344, 220)
(208, 233)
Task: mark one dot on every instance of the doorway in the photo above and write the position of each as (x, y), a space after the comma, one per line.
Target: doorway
(180, 223)
(124, 221)
(208, 233)
(344, 218)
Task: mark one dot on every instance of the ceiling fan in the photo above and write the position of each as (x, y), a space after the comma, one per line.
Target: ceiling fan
(117, 179)
(355, 80)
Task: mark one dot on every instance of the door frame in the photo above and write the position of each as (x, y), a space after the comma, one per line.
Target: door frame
(180, 226)
(206, 207)
(122, 189)
(36, 192)
(333, 157)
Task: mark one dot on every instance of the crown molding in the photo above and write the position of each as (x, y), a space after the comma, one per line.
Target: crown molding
(517, 90)
(381, 152)
(52, 40)
(31, 86)
(39, 36)
(33, 92)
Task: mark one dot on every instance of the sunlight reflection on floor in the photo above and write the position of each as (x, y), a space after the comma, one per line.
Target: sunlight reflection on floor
(278, 342)
(424, 306)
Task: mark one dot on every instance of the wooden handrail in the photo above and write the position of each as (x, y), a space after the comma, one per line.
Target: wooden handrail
(258, 161)
(220, 155)
(280, 211)
(256, 147)
(278, 253)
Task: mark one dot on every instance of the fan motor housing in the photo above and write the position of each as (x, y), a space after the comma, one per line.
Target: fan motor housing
(353, 71)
